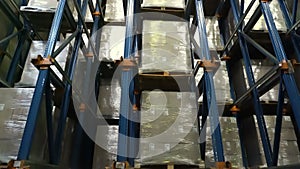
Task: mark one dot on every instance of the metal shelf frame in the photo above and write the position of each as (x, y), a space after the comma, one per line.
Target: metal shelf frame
(282, 73)
(18, 29)
(127, 149)
(210, 108)
(47, 77)
(278, 75)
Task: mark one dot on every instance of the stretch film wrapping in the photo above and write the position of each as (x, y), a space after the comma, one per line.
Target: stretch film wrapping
(165, 47)
(14, 106)
(168, 128)
(166, 4)
(114, 11)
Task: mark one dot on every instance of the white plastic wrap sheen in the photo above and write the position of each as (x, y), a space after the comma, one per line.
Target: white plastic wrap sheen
(168, 128)
(165, 47)
(50, 6)
(165, 3)
(14, 106)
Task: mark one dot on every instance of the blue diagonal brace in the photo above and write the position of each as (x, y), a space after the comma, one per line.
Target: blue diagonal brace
(209, 86)
(288, 78)
(40, 86)
(258, 108)
(67, 95)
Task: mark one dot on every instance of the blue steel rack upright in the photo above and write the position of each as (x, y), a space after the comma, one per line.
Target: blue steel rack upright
(210, 107)
(47, 77)
(17, 30)
(126, 127)
(281, 73)
(285, 72)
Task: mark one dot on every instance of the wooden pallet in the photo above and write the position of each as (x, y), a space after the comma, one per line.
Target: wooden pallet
(12, 164)
(165, 81)
(164, 10)
(168, 166)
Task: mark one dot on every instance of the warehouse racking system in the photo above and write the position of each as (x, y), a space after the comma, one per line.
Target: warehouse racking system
(167, 48)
